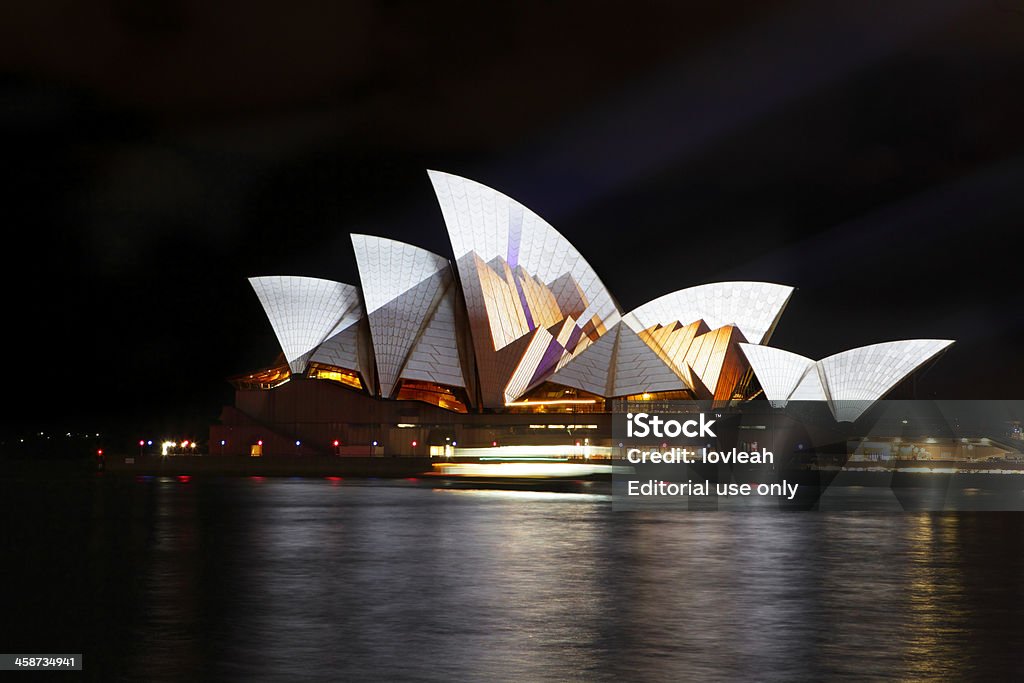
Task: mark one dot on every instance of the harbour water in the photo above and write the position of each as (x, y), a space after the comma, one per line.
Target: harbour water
(321, 579)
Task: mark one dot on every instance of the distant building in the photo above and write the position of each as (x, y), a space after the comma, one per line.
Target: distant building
(522, 326)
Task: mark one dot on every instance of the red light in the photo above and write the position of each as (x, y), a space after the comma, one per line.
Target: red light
(184, 478)
(414, 444)
(494, 443)
(260, 442)
(99, 451)
(333, 478)
(141, 442)
(337, 443)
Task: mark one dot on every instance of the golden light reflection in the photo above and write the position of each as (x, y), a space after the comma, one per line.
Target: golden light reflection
(333, 374)
(555, 402)
(434, 394)
(267, 378)
(935, 600)
(519, 470)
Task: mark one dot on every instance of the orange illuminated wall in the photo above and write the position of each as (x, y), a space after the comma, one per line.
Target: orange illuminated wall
(434, 394)
(267, 378)
(709, 360)
(349, 378)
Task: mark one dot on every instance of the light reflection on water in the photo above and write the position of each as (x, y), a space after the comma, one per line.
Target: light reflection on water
(495, 494)
(307, 579)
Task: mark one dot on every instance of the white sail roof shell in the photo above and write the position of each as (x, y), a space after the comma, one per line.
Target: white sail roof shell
(619, 364)
(810, 387)
(850, 381)
(856, 377)
(435, 355)
(389, 268)
(591, 369)
(482, 220)
(753, 307)
(303, 311)
(779, 372)
(404, 287)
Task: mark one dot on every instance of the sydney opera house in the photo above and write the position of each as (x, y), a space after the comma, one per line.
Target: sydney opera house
(520, 342)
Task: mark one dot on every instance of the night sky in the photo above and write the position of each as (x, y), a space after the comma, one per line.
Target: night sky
(158, 153)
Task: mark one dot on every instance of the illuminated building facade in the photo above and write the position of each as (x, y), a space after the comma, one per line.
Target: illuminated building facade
(520, 325)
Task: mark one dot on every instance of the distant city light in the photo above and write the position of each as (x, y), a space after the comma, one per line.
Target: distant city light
(222, 442)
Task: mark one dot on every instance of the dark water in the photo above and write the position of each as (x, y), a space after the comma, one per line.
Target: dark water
(320, 580)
